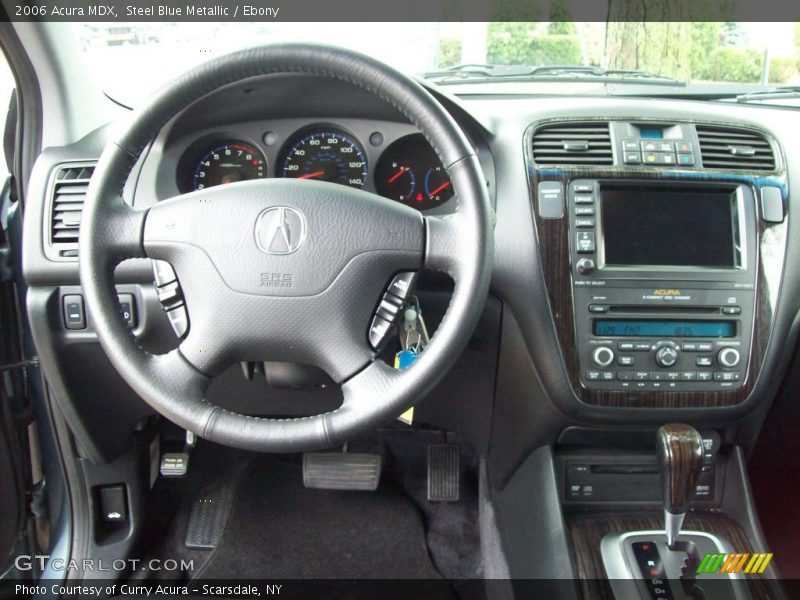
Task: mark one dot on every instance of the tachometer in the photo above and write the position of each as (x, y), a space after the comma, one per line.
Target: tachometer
(228, 163)
(410, 172)
(325, 155)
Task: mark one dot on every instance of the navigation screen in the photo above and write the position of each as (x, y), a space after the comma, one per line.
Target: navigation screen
(678, 227)
(632, 328)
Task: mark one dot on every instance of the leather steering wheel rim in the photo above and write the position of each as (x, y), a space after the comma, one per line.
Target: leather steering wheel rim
(388, 238)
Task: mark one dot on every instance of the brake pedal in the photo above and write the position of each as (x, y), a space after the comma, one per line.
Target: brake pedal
(341, 471)
(443, 473)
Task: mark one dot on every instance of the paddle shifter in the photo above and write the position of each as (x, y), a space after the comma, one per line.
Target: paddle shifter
(680, 456)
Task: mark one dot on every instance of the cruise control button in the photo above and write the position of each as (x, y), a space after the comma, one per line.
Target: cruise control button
(163, 272)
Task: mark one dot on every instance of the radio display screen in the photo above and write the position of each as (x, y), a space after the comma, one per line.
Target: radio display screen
(667, 328)
(683, 227)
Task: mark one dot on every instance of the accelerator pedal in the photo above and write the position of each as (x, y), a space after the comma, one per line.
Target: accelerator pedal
(443, 473)
(341, 471)
(209, 515)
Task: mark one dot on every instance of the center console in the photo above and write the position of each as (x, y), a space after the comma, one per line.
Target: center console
(663, 283)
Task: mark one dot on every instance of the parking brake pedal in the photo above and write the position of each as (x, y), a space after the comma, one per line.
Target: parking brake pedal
(443, 473)
(341, 471)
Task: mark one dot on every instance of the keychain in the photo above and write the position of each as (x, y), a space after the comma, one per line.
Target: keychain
(413, 339)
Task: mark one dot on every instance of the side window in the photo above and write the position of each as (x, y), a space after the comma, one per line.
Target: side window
(6, 87)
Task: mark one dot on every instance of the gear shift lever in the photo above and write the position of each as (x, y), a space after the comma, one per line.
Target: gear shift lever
(680, 456)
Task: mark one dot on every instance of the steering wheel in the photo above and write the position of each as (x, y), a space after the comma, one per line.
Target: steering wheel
(336, 247)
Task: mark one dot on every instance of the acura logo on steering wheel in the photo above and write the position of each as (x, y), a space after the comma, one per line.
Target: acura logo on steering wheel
(280, 230)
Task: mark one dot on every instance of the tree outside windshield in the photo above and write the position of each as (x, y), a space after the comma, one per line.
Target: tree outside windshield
(131, 59)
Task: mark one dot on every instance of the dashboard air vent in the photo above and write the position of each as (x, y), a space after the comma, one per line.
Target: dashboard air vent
(730, 148)
(572, 144)
(69, 192)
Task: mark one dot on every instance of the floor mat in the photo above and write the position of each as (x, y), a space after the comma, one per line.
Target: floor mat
(280, 530)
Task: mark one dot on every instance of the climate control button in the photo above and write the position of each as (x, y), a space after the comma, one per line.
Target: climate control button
(603, 356)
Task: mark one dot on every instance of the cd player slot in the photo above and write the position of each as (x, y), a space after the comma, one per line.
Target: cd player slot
(704, 310)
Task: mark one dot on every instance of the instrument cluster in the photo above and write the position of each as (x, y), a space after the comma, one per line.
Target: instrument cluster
(406, 167)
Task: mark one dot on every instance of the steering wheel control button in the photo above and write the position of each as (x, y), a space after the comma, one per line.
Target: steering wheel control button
(603, 356)
(74, 313)
(179, 319)
(403, 284)
(163, 272)
(170, 295)
(127, 306)
(378, 332)
(729, 357)
(666, 357)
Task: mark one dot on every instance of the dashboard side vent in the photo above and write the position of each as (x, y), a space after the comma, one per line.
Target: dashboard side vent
(66, 207)
(730, 148)
(573, 144)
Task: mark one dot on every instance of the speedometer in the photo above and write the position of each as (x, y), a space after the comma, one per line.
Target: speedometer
(228, 163)
(325, 155)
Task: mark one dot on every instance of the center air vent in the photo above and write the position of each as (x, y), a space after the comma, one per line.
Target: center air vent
(68, 193)
(729, 148)
(572, 144)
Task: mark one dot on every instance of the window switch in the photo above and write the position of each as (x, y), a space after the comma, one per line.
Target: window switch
(113, 506)
(74, 313)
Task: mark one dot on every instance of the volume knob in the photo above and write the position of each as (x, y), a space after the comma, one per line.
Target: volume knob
(603, 356)
(666, 356)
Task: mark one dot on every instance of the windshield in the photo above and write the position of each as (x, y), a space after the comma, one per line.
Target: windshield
(132, 59)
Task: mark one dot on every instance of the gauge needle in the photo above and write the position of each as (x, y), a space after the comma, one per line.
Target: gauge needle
(312, 175)
(397, 175)
(442, 187)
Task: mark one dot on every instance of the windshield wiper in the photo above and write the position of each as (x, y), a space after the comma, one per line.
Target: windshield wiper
(781, 91)
(488, 72)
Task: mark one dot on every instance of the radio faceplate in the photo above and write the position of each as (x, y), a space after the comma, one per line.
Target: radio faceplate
(661, 327)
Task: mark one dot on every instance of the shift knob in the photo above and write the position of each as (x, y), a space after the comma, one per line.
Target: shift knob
(680, 457)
